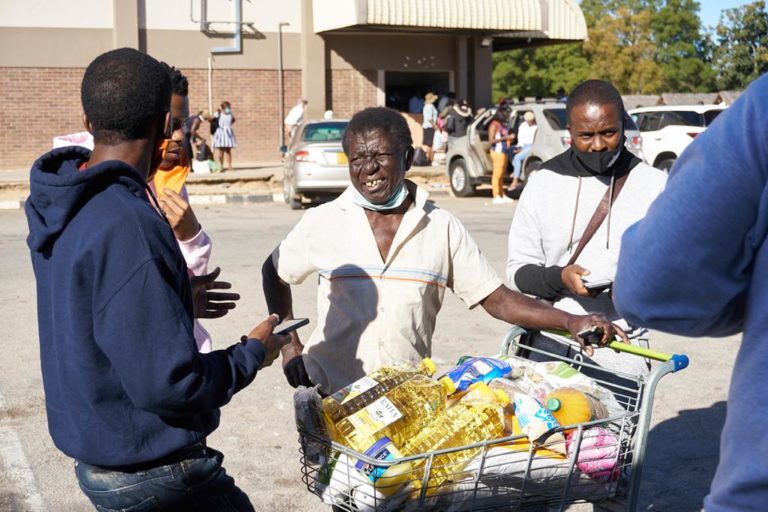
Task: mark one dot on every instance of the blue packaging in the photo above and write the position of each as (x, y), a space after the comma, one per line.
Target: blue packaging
(477, 369)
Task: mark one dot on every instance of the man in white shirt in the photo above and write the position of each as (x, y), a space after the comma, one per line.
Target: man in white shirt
(385, 255)
(525, 134)
(295, 117)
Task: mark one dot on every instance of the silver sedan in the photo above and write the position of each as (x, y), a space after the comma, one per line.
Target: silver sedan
(316, 167)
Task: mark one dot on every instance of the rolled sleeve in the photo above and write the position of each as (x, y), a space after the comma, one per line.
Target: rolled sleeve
(292, 258)
(472, 276)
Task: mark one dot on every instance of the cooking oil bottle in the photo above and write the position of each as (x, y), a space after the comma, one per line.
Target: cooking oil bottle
(398, 414)
(366, 390)
(570, 406)
(470, 421)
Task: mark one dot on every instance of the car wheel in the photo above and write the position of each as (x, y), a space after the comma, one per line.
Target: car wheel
(461, 183)
(289, 196)
(666, 164)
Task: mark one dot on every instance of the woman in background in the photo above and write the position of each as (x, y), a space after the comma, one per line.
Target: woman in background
(224, 138)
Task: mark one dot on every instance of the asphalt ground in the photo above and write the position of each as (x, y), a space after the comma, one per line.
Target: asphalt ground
(257, 433)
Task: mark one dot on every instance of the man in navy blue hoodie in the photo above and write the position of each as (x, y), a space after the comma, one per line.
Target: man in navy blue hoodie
(697, 265)
(128, 395)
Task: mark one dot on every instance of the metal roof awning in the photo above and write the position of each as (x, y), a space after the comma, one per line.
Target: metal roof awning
(511, 22)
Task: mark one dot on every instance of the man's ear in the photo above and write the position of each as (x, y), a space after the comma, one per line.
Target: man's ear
(87, 124)
(408, 158)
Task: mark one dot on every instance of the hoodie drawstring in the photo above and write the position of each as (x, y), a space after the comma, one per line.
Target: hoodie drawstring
(156, 204)
(575, 211)
(610, 208)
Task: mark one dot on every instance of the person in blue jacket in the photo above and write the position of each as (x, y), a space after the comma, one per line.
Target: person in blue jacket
(697, 265)
(128, 395)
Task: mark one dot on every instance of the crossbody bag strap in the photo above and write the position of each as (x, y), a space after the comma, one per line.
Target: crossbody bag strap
(599, 216)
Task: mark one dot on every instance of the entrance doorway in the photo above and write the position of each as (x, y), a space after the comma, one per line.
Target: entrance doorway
(401, 86)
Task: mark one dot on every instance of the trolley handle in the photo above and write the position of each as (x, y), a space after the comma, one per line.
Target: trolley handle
(680, 361)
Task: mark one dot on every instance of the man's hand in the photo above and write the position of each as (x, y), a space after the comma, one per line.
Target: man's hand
(572, 279)
(272, 342)
(209, 304)
(179, 214)
(577, 324)
(293, 364)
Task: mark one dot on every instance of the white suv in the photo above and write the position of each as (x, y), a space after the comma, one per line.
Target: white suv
(667, 130)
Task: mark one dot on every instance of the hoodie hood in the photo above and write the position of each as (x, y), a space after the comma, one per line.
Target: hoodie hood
(58, 190)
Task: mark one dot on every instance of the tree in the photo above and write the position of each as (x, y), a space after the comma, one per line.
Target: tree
(742, 52)
(683, 52)
(622, 49)
(539, 71)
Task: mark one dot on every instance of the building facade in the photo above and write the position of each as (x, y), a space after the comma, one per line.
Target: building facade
(262, 56)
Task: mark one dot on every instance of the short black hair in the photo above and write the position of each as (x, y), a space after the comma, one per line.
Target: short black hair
(598, 92)
(124, 92)
(379, 118)
(179, 82)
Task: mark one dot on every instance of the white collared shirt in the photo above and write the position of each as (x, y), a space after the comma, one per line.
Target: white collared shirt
(372, 312)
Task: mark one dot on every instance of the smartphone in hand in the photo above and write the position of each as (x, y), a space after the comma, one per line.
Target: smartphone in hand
(290, 325)
(595, 288)
(591, 336)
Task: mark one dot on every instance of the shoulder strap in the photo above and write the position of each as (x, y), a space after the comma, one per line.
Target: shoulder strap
(599, 216)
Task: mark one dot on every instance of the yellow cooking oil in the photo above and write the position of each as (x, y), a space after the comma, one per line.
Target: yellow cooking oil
(366, 390)
(479, 417)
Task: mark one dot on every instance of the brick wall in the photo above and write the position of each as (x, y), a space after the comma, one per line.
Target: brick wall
(39, 103)
(350, 90)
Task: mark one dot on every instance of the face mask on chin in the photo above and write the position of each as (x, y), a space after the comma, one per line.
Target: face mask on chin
(599, 162)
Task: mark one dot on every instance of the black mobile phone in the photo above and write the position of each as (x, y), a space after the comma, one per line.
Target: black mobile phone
(598, 287)
(592, 336)
(290, 325)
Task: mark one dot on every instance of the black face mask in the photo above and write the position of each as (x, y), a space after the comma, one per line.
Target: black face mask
(599, 163)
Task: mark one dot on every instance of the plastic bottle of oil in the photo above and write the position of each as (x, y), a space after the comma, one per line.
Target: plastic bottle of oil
(366, 390)
(570, 406)
(468, 422)
(378, 429)
(398, 414)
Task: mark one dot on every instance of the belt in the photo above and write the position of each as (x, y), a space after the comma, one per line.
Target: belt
(196, 450)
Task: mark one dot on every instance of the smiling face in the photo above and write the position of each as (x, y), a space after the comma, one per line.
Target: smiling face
(377, 164)
(595, 127)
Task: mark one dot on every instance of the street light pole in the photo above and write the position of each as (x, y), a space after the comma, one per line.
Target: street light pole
(281, 91)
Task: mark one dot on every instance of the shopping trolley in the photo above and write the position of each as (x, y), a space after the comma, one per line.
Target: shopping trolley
(602, 464)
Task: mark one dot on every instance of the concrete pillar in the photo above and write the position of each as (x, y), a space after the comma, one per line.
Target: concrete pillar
(481, 70)
(312, 65)
(125, 23)
(462, 67)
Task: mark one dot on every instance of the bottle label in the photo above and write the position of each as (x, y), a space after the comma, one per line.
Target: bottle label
(375, 416)
(358, 387)
(383, 450)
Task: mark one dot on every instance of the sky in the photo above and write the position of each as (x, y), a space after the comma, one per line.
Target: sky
(710, 10)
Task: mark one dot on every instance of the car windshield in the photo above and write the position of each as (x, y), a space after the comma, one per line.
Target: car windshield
(710, 116)
(681, 118)
(324, 132)
(556, 118)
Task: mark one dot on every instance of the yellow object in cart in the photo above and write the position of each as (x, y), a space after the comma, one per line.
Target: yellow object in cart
(461, 425)
(570, 406)
(523, 444)
(397, 415)
(366, 390)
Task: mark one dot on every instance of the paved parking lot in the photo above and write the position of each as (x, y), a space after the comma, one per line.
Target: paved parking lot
(257, 433)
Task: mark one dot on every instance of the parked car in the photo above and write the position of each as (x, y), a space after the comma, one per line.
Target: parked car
(315, 164)
(667, 130)
(468, 159)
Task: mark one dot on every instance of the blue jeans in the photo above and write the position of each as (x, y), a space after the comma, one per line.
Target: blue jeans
(518, 159)
(197, 483)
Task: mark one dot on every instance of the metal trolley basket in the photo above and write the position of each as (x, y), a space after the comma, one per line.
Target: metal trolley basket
(510, 473)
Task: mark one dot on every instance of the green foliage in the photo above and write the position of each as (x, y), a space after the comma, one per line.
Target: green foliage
(741, 54)
(641, 46)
